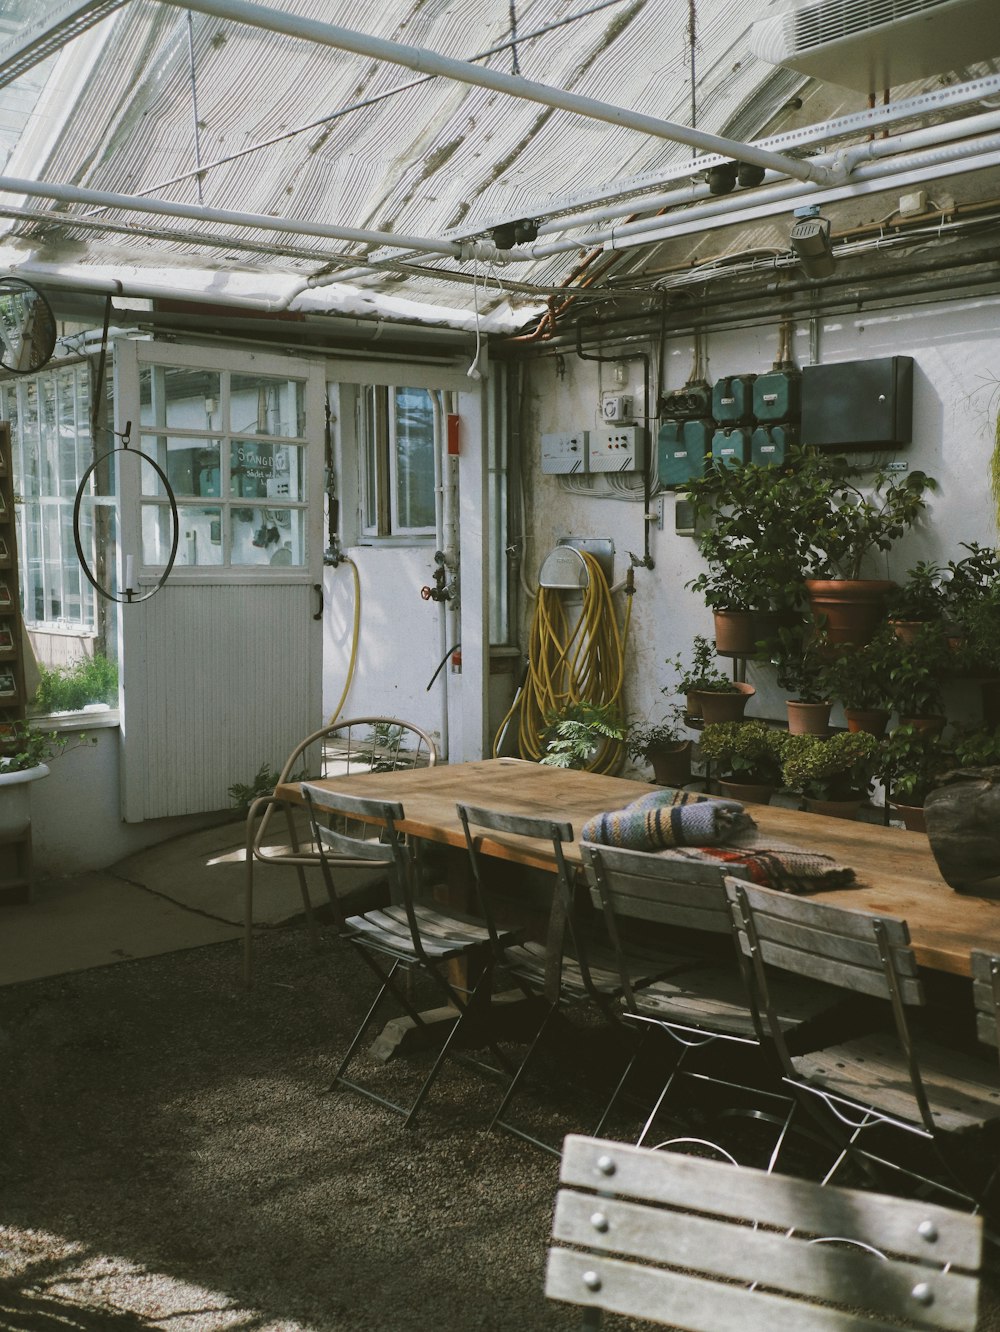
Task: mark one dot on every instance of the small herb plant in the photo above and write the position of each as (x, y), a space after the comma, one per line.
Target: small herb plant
(746, 751)
(912, 762)
(836, 768)
(70, 688)
(798, 656)
(915, 674)
(641, 737)
(922, 597)
(979, 748)
(24, 746)
(703, 675)
(973, 609)
(574, 737)
(857, 675)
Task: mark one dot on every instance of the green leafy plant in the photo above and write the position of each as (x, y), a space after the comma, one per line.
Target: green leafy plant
(916, 672)
(798, 656)
(703, 675)
(642, 736)
(262, 783)
(977, 748)
(835, 768)
(972, 607)
(746, 751)
(24, 746)
(69, 688)
(573, 737)
(922, 597)
(912, 762)
(856, 675)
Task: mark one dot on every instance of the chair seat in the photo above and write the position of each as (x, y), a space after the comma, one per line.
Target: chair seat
(715, 999)
(870, 1071)
(530, 960)
(443, 935)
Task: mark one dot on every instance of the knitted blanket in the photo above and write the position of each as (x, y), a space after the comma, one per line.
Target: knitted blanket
(667, 818)
(787, 869)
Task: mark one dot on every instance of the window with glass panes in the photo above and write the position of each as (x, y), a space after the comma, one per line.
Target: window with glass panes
(231, 444)
(397, 428)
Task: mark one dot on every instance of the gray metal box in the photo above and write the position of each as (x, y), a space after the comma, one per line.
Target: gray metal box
(858, 403)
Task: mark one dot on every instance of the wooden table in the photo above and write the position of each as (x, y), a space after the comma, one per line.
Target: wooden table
(896, 871)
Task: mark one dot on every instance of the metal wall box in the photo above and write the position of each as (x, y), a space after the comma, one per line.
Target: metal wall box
(565, 452)
(693, 400)
(730, 447)
(732, 400)
(858, 403)
(777, 395)
(769, 443)
(675, 464)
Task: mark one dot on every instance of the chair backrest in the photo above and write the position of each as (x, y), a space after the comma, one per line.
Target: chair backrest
(986, 997)
(359, 744)
(657, 887)
(336, 846)
(704, 1245)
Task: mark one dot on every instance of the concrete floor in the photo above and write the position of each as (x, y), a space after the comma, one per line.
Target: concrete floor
(183, 893)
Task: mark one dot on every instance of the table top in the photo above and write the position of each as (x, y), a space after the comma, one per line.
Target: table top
(897, 874)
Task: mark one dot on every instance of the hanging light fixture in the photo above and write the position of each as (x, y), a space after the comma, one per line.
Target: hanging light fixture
(810, 239)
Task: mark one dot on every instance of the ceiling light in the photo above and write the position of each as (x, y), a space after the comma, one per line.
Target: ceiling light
(810, 239)
(722, 178)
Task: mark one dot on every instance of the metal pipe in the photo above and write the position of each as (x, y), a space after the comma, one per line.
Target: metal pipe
(430, 62)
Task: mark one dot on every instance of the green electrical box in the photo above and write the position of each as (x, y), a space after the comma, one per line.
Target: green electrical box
(681, 447)
(769, 444)
(732, 400)
(777, 395)
(730, 447)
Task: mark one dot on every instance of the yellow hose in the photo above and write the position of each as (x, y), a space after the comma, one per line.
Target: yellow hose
(355, 635)
(582, 665)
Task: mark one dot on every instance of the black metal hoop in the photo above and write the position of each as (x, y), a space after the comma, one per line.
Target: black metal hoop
(128, 599)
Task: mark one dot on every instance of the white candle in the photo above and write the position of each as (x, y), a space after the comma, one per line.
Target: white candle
(128, 573)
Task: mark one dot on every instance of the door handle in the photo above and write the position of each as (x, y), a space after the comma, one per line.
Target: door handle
(318, 589)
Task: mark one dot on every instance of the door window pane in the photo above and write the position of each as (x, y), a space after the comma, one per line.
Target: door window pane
(266, 405)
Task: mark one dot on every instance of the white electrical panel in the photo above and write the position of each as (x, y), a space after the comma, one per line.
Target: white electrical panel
(564, 452)
(618, 449)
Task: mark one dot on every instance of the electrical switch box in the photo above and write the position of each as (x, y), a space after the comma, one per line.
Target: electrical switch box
(688, 403)
(616, 407)
(565, 452)
(769, 443)
(680, 451)
(853, 404)
(731, 447)
(777, 395)
(732, 400)
(618, 449)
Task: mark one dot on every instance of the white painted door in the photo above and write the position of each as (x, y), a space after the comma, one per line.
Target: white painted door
(221, 668)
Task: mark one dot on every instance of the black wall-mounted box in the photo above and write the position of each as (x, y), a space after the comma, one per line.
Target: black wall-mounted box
(858, 403)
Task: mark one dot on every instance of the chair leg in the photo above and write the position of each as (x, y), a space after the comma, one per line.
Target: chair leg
(248, 920)
(463, 1015)
(311, 925)
(512, 1086)
(386, 979)
(620, 1085)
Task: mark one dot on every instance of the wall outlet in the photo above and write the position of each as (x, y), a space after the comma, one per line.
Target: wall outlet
(618, 449)
(564, 452)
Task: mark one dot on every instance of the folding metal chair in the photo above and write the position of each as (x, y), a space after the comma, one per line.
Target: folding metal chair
(702, 1245)
(404, 935)
(889, 1089)
(348, 747)
(568, 969)
(704, 1009)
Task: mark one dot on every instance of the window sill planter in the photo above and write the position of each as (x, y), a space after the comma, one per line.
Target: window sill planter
(15, 797)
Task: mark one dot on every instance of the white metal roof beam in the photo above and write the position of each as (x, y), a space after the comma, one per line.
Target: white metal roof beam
(430, 62)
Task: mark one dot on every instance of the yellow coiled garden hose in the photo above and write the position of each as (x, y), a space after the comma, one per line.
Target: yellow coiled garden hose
(355, 637)
(584, 663)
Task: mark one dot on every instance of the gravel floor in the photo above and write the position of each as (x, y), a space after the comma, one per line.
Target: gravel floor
(166, 1162)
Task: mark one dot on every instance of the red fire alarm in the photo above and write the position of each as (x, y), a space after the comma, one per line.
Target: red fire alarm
(453, 444)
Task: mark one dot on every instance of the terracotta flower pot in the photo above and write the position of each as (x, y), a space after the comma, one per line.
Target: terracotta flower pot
(758, 793)
(834, 809)
(853, 608)
(807, 718)
(908, 631)
(671, 763)
(872, 720)
(718, 707)
(912, 816)
(735, 631)
(925, 725)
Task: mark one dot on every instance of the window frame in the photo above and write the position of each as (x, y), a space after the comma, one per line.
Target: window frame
(379, 442)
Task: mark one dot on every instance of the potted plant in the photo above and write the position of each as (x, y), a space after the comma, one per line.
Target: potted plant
(582, 735)
(920, 600)
(842, 526)
(798, 655)
(856, 675)
(973, 610)
(754, 556)
(911, 764)
(833, 775)
(662, 745)
(748, 756)
(24, 754)
(916, 669)
(711, 694)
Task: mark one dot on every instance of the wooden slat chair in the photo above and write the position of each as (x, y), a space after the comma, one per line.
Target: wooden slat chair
(708, 1003)
(701, 1245)
(567, 969)
(278, 832)
(893, 1083)
(405, 934)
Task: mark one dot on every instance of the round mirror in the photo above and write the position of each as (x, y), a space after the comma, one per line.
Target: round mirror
(27, 327)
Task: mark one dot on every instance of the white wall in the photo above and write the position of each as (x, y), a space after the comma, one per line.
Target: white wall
(956, 351)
